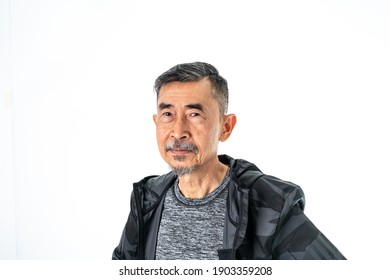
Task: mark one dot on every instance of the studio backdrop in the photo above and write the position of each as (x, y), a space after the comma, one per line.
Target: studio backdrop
(308, 80)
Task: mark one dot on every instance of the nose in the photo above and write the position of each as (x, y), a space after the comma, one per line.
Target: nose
(180, 129)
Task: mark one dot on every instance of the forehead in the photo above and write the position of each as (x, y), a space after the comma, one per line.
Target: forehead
(199, 91)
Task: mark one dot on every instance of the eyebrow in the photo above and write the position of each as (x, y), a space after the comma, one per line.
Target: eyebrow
(163, 106)
(197, 106)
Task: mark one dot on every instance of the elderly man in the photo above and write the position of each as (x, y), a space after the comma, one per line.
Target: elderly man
(212, 206)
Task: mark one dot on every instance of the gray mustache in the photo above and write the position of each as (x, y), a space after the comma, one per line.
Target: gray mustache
(175, 144)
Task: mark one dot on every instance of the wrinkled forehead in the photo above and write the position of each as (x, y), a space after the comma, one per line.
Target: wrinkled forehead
(198, 90)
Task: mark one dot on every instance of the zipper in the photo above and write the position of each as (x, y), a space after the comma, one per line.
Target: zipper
(238, 226)
(141, 245)
(244, 207)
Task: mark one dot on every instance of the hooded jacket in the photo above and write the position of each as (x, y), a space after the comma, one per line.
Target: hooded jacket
(265, 219)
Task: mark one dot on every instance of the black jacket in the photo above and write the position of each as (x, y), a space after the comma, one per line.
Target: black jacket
(265, 219)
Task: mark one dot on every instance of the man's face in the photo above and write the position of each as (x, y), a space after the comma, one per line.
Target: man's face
(188, 125)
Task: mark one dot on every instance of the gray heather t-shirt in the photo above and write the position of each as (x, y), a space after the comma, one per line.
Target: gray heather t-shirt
(192, 228)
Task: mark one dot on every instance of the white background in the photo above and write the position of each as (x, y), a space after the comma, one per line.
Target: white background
(309, 83)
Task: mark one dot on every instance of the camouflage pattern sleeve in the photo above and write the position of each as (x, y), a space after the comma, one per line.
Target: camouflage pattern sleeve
(297, 238)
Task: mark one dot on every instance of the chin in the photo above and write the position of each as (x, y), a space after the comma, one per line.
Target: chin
(179, 158)
(181, 166)
(182, 170)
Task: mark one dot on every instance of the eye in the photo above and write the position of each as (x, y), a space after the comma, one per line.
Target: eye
(194, 115)
(166, 114)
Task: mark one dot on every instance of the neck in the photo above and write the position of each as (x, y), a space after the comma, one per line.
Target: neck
(202, 181)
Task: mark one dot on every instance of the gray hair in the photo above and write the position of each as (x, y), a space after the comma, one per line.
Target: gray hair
(196, 71)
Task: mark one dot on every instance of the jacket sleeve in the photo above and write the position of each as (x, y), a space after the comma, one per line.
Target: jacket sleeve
(127, 248)
(297, 238)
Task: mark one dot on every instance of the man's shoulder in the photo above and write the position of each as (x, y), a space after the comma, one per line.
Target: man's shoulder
(267, 188)
(278, 185)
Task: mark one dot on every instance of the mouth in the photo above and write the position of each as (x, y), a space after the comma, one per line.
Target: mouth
(180, 151)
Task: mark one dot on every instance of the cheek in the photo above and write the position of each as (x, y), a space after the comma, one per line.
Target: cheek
(161, 131)
(211, 139)
(162, 136)
(159, 137)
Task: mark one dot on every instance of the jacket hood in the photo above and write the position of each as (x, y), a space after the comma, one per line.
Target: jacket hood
(244, 173)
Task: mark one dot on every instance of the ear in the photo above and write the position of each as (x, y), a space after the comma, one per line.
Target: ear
(229, 121)
(155, 119)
